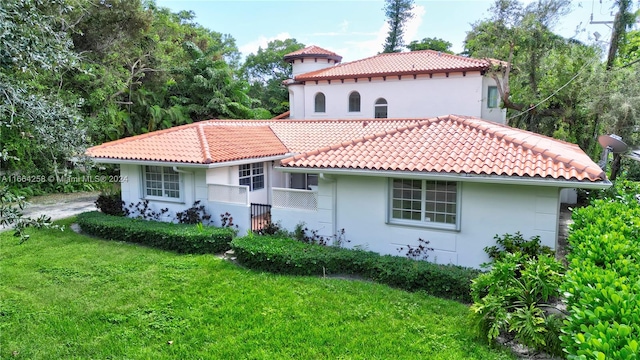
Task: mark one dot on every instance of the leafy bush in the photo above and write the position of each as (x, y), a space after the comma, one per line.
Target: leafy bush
(420, 252)
(312, 236)
(11, 206)
(510, 244)
(603, 280)
(194, 215)
(142, 210)
(289, 256)
(623, 191)
(181, 238)
(511, 300)
(110, 202)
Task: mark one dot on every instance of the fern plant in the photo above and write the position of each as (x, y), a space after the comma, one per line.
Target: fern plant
(511, 299)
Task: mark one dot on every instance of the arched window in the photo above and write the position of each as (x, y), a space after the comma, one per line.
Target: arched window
(354, 102)
(320, 102)
(380, 109)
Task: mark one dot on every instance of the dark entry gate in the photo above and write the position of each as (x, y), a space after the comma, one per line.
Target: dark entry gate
(260, 216)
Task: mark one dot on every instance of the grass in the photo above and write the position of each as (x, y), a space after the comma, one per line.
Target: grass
(64, 295)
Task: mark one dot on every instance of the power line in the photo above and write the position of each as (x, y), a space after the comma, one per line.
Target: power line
(554, 93)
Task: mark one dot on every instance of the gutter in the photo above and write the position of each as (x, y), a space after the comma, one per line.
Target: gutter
(191, 165)
(456, 177)
(249, 161)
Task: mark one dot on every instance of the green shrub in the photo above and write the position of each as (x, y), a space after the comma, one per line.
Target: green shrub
(602, 285)
(509, 244)
(288, 256)
(110, 202)
(512, 298)
(174, 237)
(623, 191)
(196, 214)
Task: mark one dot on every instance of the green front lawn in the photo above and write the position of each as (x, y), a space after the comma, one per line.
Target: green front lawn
(64, 295)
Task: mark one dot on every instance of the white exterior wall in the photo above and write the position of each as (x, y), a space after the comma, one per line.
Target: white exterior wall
(322, 220)
(305, 65)
(192, 189)
(569, 196)
(361, 206)
(278, 178)
(493, 114)
(406, 98)
(296, 101)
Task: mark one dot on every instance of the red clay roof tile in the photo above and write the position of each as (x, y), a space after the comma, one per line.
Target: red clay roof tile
(284, 115)
(457, 144)
(312, 51)
(198, 143)
(448, 144)
(404, 63)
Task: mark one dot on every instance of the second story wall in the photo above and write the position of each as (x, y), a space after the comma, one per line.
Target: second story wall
(407, 97)
(491, 103)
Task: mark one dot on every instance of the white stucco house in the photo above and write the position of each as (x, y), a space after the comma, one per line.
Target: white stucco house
(454, 180)
(413, 84)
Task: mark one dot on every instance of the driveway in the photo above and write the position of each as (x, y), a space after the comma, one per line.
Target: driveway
(60, 206)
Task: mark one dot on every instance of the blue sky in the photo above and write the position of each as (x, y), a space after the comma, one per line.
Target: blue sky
(356, 29)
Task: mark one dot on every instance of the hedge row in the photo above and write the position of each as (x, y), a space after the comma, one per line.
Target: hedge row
(180, 238)
(603, 282)
(288, 256)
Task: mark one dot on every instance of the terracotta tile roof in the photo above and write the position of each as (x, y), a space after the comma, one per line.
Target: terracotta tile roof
(198, 143)
(404, 63)
(449, 144)
(306, 135)
(312, 51)
(284, 115)
(456, 144)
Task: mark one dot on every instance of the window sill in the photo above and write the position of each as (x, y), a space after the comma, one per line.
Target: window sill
(164, 199)
(424, 225)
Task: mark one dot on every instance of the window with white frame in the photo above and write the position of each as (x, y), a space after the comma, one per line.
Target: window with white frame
(319, 102)
(354, 102)
(492, 97)
(161, 182)
(252, 175)
(425, 202)
(380, 109)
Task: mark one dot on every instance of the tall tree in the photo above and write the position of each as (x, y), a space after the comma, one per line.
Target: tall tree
(266, 69)
(397, 13)
(623, 20)
(137, 67)
(41, 128)
(522, 37)
(428, 43)
(208, 88)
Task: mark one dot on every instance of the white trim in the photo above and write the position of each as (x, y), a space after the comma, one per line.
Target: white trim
(181, 187)
(492, 179)
(421, 223)
(249, 161)
(252, 168)
(192, 165)
(146, 162)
